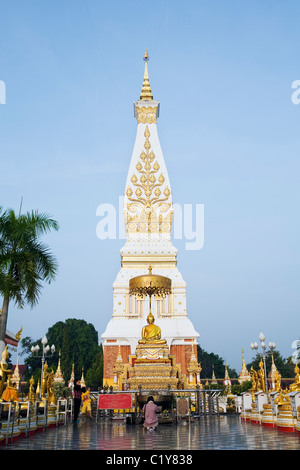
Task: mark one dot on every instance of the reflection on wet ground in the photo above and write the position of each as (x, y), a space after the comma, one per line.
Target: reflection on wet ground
(226, 432)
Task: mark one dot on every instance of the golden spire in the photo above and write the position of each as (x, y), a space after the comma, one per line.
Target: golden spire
(146, 93)
(58, 377)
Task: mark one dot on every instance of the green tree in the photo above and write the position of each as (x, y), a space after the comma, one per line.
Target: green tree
(32, 362)
(94, 376)
(210, 362)
(237, 389)
(76, 342)
(25, 262)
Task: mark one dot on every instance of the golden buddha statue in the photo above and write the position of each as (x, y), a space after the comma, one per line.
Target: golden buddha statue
(277, 381)
(44, 381)
(151, 333)
(261, 374)
(10, 393)
(283, 397)
(31, 394)
(295, 386)
(5, 373)
(254, 380)
(50, 393)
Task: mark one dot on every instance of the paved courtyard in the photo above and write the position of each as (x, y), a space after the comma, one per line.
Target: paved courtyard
(226, 432)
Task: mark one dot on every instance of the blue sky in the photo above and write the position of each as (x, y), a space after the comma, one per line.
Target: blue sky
(222, 71)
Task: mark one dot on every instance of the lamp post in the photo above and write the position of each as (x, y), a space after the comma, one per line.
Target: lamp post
(264, 347)
(45, 350)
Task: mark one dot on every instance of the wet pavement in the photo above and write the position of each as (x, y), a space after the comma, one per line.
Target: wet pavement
(225, 432)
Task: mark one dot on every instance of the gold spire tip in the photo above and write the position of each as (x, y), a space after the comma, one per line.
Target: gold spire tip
(146, 93)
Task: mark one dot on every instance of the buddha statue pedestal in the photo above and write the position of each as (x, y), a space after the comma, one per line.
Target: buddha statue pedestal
(297, 427)
(151, 351)
(267, 418)
(153, 368)
(285, 421)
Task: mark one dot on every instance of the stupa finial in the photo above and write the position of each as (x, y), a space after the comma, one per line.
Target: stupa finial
(146, 93)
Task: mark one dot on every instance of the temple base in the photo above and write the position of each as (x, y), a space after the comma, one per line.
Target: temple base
(152, 368)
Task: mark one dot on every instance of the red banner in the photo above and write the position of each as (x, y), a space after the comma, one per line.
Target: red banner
(114, 402)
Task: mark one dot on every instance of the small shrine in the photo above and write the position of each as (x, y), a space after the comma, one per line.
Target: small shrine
(72, 378)
(274, 377)
(193, 371)
(16, 378)
(152, 367)
(227, 380)
(82, 380)
(214, 379)
(244, 375)
(58, 377)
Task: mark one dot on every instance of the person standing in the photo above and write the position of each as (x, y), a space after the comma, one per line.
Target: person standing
(77, 392)
(86, 402)
(150, 411)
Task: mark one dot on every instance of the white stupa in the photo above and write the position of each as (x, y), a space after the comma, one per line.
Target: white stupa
(148, 216)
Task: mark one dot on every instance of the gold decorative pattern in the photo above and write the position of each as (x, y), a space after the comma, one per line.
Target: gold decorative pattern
(149, 210)
(150, 284)
(146, 115)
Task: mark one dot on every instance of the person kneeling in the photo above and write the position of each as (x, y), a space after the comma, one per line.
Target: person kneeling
(150, 412)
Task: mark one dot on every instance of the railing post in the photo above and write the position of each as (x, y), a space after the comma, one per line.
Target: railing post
(135, 407)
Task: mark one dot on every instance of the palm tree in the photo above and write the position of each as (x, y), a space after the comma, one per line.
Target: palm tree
(24, 260)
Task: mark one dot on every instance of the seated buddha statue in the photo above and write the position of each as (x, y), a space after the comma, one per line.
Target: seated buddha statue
(295, 386)
(10, 393)
(151, 333)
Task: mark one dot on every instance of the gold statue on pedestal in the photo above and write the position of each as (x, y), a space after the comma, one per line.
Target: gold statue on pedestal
(50, 393)
(10, 393)
(295, 386)
(261, 374)
(277, 381)
(150, 284)
(5, 373)
(31, 394)
(44, 382)
(151, 333)
(152, 367)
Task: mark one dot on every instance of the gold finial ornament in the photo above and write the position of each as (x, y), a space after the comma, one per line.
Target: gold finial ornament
(146, 93)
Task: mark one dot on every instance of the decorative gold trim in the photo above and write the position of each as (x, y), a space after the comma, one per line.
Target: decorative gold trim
(150, 209)
(150, 284)
(146, 115)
